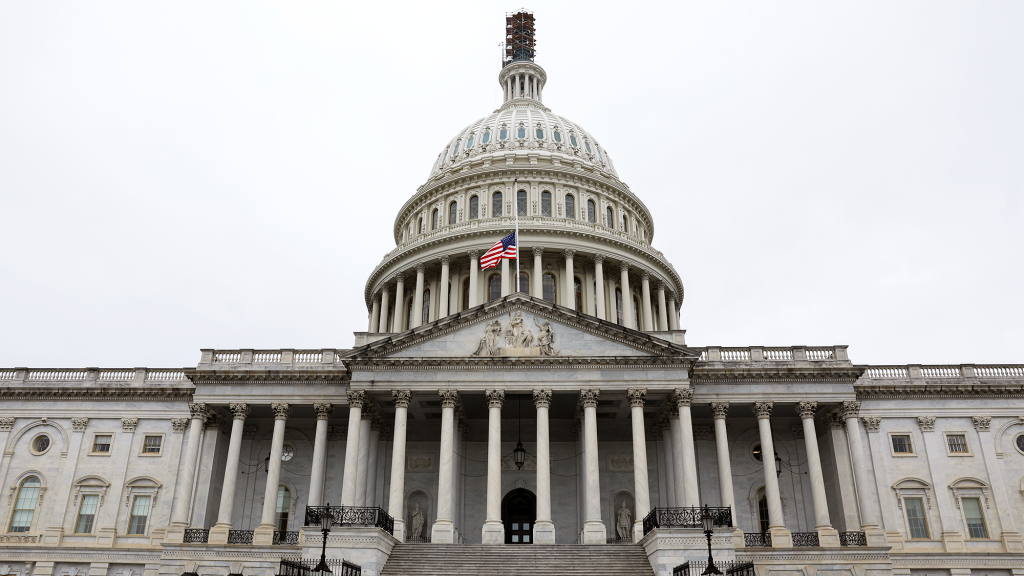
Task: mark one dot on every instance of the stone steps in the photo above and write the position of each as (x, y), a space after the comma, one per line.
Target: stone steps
(509, 560)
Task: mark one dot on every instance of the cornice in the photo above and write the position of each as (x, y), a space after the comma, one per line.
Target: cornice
(775, 372)
(958, 389)
(338, 374)
(524, 363)
(96, 393)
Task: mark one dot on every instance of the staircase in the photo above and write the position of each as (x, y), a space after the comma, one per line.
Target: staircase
(510, 560)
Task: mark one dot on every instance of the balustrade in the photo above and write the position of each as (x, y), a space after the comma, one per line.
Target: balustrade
(282, 538)
(685, 517)
(117, 375)
(352, 516)
(805, 539)
(196, 536)
(240, 536)
(853, 539)
(757, 539)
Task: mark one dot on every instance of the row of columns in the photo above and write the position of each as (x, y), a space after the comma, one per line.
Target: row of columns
(522, 86)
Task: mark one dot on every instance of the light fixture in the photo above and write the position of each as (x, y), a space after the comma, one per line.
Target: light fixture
(708, 522)
(520, 453)
(778, 465)
(326, 520)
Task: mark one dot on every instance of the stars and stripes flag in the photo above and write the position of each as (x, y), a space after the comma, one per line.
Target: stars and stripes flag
(504, 248)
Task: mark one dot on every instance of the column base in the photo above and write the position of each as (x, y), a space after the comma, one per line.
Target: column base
(494, 532)
(443, 532)
(219, 533)
(781, 537)
(399, 530)
(544, 532)
(875, 536)
(175, 533)
(105, 537)
(828, 537)
(951, 542)
(594, 532)
(263, 535)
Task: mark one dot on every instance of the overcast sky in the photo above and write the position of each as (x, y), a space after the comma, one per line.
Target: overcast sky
(186, 175)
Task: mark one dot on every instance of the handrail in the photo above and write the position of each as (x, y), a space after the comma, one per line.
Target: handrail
(686, 517)
(352, 516)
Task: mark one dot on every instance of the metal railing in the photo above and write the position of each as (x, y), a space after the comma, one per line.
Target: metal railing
(196, 535)
(853, 539)
(805, 539)
(240, 536)
(282, 538)
(757, 539)
(685, 518)
(304, 567)
(352, 516)
(617, 540)
(728, 567)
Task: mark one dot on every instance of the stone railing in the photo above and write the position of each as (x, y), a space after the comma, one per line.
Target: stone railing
(775, 354)
(282, 357)
(97, 376)
(944, 372)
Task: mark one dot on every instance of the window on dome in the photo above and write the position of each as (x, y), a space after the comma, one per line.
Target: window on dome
(624, 227)
(433, 219)
(578, 289)
(521, 202)
(503, 134)
(636, 314)
(524, 283)
(469, 143)
(545, 203)
(548, 284)
(618, 306)
(486, 137)
(474, 207)
(557, 136)
(453, 213)
(426, 306)
(540, 133)
(465, 294)
(599, 155)
(570, 206)
(521, 133)
(494, 287)
(585, 143)
(496, 205)
(609, 219)
(421, 225)
(572, 140)
(591, 211)
(456, 151)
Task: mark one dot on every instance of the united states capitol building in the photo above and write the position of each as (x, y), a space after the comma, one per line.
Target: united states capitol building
(489, 422)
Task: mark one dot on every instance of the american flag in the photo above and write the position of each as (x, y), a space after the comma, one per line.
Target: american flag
(504, 248)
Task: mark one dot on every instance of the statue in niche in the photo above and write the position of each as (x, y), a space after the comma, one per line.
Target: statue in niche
(546, 338)
(417, 523)
(517, 335)
(624, 522)
(488, 345)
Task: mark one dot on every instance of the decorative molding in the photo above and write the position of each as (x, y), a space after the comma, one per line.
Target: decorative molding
(6, 423)
(835, 421)
(682, 397)
(129, 424)
(871, 423)
(323, 410)
(850, 409)
(239, 410)
(588, 398)
(78, 424)
(197, 410)
(762, 409)
(213, 422)
(281, 410)
(806, 408)
(178, 425)
(982, 423)
(701, 432)
(337, 432)
(636, 397)
(926, 423)
(356, 398)
(542, 398)
(402, 398)
(248, 431)
(720, 410)
(449, 397)
(797, 430)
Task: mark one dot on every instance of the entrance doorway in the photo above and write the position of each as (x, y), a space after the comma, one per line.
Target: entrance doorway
(518, 513)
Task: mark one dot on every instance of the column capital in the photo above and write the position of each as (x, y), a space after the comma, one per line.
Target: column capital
(369, 410)
(645, 275)
(871, 423)
(420, 268)
(197, 410)
(239, 410)
(178, 425)
(400, 277)
(538, 251)
(661, 286)
(129, 424)
(473, 254)
(926, 423)
(701, 432)
(850, 409)
(375, 422)
(982, 423)
(6, 423)
(542, 398)
(624, 267)
(589, 398)
(835, 421)
(599, 257)
(402, 398)
(448, 397)
(356, 398)
(762, 409)
(720, 410)
(569, 253)
(213, 422)
(672, 415)
(323, 410)
(806, 408)
(281, 410)
(495, 398)
(682, 397)
(446, 258)
(636, 397)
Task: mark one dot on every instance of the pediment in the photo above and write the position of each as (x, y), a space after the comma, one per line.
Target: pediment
(522, 327)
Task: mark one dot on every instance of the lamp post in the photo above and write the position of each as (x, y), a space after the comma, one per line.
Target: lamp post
(709, 528)
(326, 519)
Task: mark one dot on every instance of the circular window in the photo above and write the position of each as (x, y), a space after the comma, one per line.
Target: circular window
(756, 452)
(40, 444)
(1020, 442)
(287, 453)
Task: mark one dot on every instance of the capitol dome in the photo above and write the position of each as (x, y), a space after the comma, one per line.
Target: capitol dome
(585, 239)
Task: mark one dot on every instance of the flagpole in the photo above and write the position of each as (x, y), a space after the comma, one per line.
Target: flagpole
(515, 185)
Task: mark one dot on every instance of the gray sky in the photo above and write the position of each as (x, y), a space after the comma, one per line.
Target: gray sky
(181, 175)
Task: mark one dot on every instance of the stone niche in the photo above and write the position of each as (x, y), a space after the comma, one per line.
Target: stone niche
(417, 500)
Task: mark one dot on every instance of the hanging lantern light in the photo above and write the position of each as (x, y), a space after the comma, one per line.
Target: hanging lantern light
(520, 455)
(778, 465)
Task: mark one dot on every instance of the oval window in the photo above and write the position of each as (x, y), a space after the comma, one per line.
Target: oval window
(469, 143)
(585, 143)
(599, 155)
(41, 443)
(485, 138)
(522, 132)
(503, 134)
(456, 151)
(557, 136)
(287, 452)
(1020, 442)
(572, 140)
(540, 133)
(756, 452)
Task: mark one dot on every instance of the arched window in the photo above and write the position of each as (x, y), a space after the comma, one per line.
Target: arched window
(433, 219)
(545, 203)
(494, 287)
(570, 206)
(421, 225)
(284, 503)
(624, 227)
(465, 294)
(503, 133)
(609, 220)
(521, 133)
(496, 205)
(453, 213)
(474, 207)
(636, 314)
(524, 282)
(521, 202)
(618, 306)
(426, 306)
(578, 289)
(762, 509)
(591, 211)
(408, 319)
(548, 283)
(25, 506)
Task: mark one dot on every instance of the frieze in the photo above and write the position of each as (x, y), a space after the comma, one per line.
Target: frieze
(620, 463)
(518, 338)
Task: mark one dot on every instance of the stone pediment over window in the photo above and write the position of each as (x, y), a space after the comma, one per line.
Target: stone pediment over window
(521, 327)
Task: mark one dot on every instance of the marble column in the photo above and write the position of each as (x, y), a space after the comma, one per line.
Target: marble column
(443, 299)
(719, 410)
(645, 291)
(662, 308)
(536, 284)
(594, 531)
(187, 476)
(599, 285)
(417, 298)
(643, 491)
(494, 530)
(543, 527)
(570, 280)
(866, 496)
(627, 298)
(219, 532)
(506, 278)
(677, 454)
(370, 498)
(673, 315)
(356, 398)
(364, 453)
(474, 278)
(399, 323)
(443, 531)
(781, 537)
(316, 477)
(669, 453)
(683, 397)
(396, 502)
(264, 534)
(374, 316)
(828, 536)
(385, 302)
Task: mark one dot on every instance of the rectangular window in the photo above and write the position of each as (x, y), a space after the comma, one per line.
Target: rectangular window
(152, 444)
(140, 514)
(915, 517)
(901, 444)
(975, 518)
(957, 443)
(86, 514)
(101, 443)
